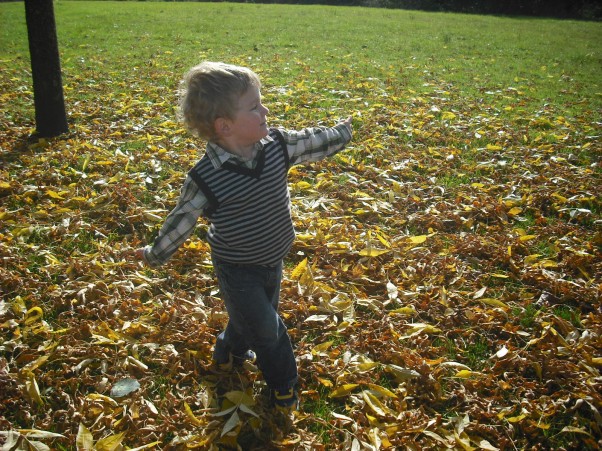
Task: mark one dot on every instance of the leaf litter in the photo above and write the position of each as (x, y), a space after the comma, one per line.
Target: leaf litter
(443, 292)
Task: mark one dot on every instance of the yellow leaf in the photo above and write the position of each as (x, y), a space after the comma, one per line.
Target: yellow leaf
(382, 390)
(418, 328)
(583, 271)
(484, 444)
(463, 440)
(86, 162)
(515, 211)
(401, 374)
(372, 420)
(527, 237)
(517, 418)
(431, 329)
(437, 437)
(84, 440)
(418, 239)
(383, 240)
(575, 430)
(103, 398)
(371, 252)
(110, 443)
(325, 382)
(32, 388)
(18, 305)
(374, 403)
(343, 390)
(540, 425)
(321, 347)
(54, 194)
(240, 397)
(299, 269)
(493, 147)
(302, 185)
(464, 374)
(22, 231)
(191, 415)
(448, 115)
(366, 366)
(32, 366)
(410, 310)
(597, 361)
(33, 315)
(494, 302)
(530, 259)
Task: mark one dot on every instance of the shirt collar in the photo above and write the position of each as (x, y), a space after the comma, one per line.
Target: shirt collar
(219, 155)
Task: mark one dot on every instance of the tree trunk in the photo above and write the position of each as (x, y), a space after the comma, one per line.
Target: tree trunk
(51, 119)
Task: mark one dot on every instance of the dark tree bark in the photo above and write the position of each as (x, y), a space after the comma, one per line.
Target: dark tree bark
(51, 118)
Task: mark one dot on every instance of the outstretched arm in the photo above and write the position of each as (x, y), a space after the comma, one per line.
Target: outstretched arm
(316, 143)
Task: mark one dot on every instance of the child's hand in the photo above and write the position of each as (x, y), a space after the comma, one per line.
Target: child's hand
(139, 255)
(348, 122)
(134, 254)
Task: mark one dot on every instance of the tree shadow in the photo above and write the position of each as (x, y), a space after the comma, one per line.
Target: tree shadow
(25, 144)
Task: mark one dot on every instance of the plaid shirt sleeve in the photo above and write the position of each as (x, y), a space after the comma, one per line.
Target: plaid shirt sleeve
(316, 143)
(178, 225)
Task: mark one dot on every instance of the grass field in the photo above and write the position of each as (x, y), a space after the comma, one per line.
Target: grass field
(444, 291)
(405, 51)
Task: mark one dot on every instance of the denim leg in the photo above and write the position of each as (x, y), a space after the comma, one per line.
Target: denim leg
(251, 296)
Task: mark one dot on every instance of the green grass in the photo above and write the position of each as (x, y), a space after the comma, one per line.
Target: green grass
(454, 180)
(322, 410)
(476, 353)
(397, 52)
(568, 314)
(446, 347)
(527, 315)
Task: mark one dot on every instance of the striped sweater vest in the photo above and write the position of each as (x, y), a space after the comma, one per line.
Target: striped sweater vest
(249, 209)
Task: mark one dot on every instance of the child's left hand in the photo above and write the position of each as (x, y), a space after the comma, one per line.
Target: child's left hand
(348, 122)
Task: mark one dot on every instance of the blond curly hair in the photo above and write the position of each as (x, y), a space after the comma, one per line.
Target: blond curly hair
(211, 90)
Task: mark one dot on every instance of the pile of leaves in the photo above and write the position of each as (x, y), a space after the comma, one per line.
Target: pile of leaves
(443, 292)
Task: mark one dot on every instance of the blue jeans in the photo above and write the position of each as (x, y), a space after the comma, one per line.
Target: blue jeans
(251, 295)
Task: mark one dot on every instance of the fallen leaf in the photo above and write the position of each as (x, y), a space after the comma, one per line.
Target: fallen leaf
(124, 387)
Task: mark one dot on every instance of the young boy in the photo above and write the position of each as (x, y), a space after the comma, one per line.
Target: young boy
(240, 186)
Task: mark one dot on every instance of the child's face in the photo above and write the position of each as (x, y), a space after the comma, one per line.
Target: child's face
(249, 124)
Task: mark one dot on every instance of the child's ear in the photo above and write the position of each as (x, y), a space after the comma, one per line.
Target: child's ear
(222, 126)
